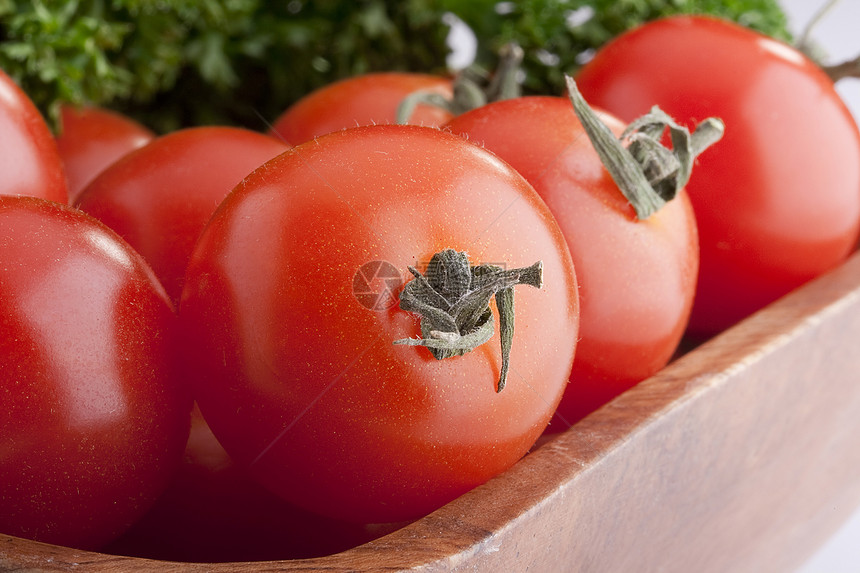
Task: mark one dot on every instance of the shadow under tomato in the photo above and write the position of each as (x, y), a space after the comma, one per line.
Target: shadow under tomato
(212, 512)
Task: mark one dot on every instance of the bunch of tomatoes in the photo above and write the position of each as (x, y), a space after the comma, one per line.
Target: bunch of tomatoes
(218, 340)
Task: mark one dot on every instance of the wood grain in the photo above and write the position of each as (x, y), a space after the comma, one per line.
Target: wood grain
(742, 455)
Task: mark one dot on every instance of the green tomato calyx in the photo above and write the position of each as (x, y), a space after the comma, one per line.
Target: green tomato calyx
(473, 87)
(453, 299)
(648, 173)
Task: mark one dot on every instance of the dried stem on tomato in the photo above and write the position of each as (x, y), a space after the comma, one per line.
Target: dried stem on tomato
(648, 173)
(453, 299)
(472, 87)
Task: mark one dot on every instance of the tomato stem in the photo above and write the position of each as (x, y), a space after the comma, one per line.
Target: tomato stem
(804, 44)
(453, 300)
(647, 172)
(472, 87)
(842, 70)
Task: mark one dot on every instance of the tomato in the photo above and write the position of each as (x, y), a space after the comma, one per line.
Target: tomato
(160, 196)
(29, 161)
(361, 100)
(91, 138)
(778, 200)
(295, 364)
(636, 277)
(94, 415)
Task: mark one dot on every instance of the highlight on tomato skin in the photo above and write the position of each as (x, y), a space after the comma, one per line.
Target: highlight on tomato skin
(777, 202)
(366, 99)
(300, 378)
(29, 162)
(95, 414)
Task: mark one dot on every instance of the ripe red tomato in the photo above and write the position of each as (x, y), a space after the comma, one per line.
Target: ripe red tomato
(297, 371)
(362, 100)
(92, 138)
(94, 416)
(159, 197)
(778, 200)
(29, 162)
(636, 277)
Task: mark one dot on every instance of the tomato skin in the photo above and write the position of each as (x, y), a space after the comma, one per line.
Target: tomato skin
(29, 161)
(159, 197)
(778, 199)
(303, 385)
(94, 417)
(636, 278)
(91, 138)
(361, 100)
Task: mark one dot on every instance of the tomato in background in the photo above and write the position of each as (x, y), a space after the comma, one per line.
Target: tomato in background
(91, 138)
(778, 200)
(160, 196)
(636, 277)
(29, 161)
(361, 100)
(300, 378)
(95, 416)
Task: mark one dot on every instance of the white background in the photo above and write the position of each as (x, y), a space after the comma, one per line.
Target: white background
(838, 33)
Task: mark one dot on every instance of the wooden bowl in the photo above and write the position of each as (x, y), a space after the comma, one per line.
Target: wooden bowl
(741, 455)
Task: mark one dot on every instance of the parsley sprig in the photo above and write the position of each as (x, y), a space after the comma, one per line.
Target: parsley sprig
(173, 63)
